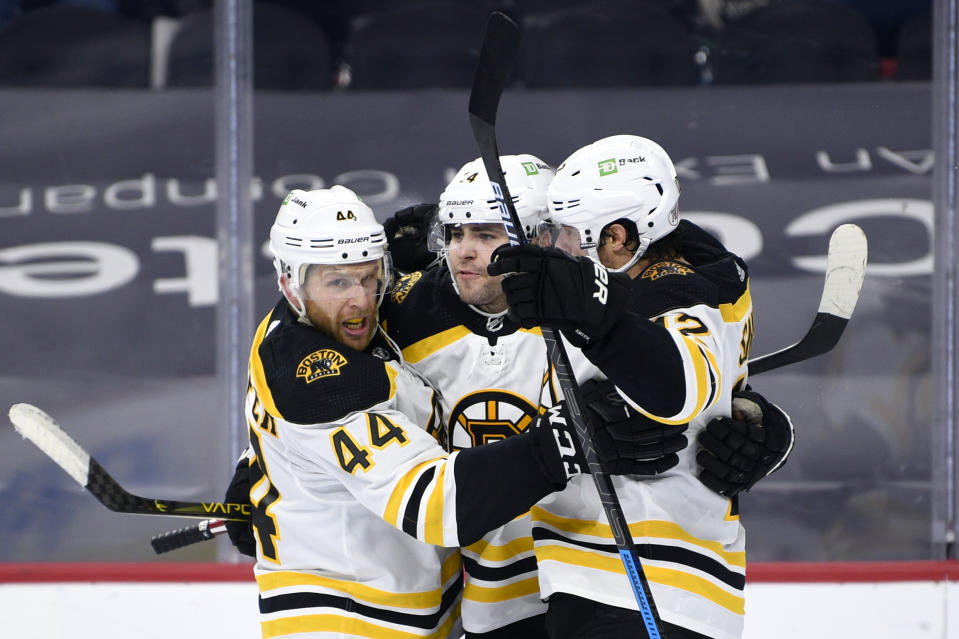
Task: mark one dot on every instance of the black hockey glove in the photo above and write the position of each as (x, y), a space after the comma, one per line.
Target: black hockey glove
(238, 492)
(406, 233)
(550, 288)
(736, 452)
(626, 442)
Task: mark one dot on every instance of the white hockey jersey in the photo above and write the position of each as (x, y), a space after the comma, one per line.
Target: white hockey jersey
(490, 375)
(690, 540)
(339, 486)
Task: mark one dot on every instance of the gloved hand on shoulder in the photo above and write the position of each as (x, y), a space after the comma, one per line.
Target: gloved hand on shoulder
(407, 231)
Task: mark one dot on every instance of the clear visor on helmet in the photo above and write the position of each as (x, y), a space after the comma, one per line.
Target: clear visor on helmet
(323, 282)
(439, 235)
(561, 236)
(437, 239)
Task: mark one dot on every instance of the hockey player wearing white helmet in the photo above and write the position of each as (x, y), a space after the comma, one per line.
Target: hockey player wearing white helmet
(472, 227)
(663, 310)
(358, 511)
(594, 191)
(450, 322)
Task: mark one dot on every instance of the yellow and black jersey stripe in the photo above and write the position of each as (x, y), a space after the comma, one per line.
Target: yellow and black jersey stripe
(502, 584)
(295, 602)
(670, 555)
(417, 503)
(697, 581)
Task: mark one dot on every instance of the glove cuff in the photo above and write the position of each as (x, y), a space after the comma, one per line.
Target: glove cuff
(555, 448)
(619, 290)
(602, 316)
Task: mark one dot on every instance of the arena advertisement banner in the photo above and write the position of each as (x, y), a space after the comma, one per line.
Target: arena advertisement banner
(108, 280)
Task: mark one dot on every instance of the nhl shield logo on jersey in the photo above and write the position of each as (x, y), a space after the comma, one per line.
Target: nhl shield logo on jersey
(321, 363)
(401, 288)
(662, 269)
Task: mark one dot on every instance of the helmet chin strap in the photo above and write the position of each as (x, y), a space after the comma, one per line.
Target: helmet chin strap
(299, 307)
(449, 267)
(640, 251)
(489, 315)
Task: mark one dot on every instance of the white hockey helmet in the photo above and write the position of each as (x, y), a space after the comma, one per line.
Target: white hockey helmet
(619, 177)
(469, 197)
(326, 226)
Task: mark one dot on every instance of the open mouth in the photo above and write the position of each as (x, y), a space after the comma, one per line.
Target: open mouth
(355, 326)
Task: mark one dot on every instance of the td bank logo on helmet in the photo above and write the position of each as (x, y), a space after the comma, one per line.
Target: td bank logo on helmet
(607, 167)
(295, 200)
(610, 166)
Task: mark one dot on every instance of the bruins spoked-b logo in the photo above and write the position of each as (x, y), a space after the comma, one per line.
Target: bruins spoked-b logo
(488, 415)
(322, 363)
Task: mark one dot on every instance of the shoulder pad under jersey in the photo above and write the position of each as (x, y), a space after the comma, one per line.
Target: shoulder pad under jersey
(306, 377)
(668, 285)
(424, 304)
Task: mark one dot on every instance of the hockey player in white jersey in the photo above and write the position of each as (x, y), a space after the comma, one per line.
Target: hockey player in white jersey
(669, 321)
(451, 324)
(357, 510)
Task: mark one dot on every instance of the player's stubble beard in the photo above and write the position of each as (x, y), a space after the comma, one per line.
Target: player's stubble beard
(485, 293)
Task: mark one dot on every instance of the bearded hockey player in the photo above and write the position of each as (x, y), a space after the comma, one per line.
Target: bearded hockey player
(357, 510)
(663, 310)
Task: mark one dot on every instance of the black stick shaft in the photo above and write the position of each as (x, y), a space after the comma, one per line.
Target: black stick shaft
(497, 56)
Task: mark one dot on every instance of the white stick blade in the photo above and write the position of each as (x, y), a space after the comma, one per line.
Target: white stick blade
(845, 270)
(38, 427)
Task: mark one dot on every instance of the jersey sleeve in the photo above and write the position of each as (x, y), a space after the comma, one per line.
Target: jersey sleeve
(389, 465)
(398, 472)
(663, 354)
(334, 415)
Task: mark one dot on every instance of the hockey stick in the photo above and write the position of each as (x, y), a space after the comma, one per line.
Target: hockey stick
(206, 529)
(497, 55)
(845, 270)
(38, 427)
